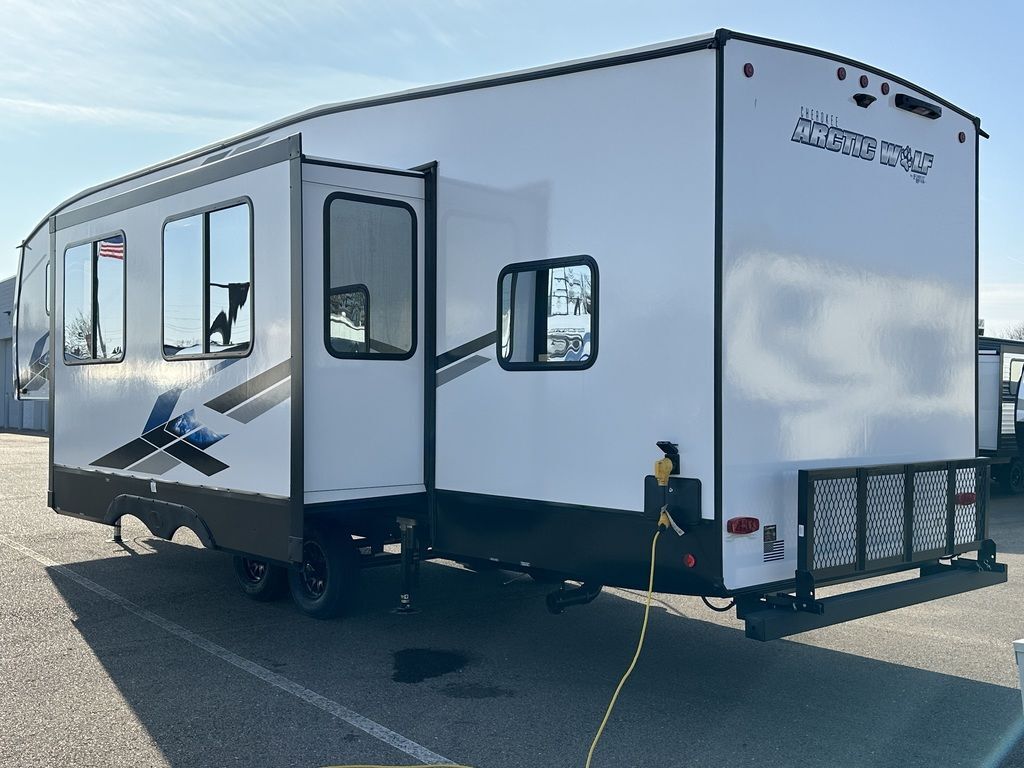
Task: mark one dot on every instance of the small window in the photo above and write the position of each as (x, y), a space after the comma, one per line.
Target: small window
(207, 273)
(1016, 367)
(370, 278)
(94, 301)
(547, 314)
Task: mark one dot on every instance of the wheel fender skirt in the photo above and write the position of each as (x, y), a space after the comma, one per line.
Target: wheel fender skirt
(162, 518)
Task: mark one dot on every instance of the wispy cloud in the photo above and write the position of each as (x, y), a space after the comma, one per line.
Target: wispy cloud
(191, 67)
(1001, 305)
(20, 109)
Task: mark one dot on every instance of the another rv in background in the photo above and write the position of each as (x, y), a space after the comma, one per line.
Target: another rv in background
(1000, 417)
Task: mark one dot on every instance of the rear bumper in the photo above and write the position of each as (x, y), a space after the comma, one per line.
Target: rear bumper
(768, 620)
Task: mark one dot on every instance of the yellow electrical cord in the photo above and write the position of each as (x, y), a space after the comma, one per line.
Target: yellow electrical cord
(639, 645)
(663, 523)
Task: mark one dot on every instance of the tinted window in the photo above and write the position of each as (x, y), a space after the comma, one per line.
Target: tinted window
(78, 331)
(94, 301)
(229, 328)
(508, 293)
(208, 283)
(371, 279)
(183, 287)
(548, 314)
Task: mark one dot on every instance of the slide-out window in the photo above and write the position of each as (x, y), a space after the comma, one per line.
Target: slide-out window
(207, 282)
(1016, 367)
(547, 314)
(369, 277)
(94, 301)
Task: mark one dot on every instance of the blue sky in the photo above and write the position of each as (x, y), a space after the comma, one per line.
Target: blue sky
(92, 90)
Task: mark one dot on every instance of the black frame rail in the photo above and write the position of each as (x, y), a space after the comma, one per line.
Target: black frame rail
(861, 520)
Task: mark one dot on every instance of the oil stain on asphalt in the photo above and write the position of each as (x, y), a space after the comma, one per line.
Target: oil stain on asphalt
(414, 665)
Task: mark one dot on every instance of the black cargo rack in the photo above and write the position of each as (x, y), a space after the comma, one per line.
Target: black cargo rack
(858, 520)
(862, 522)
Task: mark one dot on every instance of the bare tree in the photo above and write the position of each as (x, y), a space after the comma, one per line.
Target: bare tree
(1015, 331)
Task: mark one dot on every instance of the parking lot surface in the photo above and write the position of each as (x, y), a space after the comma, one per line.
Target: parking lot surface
(146, 654)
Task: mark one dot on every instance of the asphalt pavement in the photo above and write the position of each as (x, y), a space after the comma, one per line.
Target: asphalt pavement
(146, 654)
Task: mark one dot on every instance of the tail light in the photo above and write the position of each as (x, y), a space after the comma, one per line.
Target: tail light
(689, 560)
(966, 499)
(743, 525)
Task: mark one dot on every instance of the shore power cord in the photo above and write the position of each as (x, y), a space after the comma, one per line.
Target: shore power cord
(662, 470)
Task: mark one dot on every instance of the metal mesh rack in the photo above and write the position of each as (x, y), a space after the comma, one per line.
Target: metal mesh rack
(863, 519)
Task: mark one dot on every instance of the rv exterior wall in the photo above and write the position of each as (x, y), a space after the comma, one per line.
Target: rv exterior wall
(363, 408)
(848, 321)
(103, 406)
(615, 163)
(31, 332)
(990, 399)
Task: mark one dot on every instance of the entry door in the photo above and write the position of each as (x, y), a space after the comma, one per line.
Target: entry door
(363, 303)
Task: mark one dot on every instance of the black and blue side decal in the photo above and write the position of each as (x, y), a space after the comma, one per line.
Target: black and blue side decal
(169, 440)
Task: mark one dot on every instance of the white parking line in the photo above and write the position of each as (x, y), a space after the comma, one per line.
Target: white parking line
(333, 708)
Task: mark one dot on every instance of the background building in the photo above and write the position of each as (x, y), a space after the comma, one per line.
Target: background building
(15, 415)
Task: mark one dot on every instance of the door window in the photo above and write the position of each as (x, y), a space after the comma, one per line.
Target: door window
(370, 278)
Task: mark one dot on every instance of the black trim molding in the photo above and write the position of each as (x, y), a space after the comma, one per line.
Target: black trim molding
(229, 167)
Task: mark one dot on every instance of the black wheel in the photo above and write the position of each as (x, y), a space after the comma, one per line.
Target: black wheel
(259, 579)
(324, 586)
(1015, 476)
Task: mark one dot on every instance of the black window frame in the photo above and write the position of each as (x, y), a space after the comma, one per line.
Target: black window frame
(1014, 382)
(540, 313)
(511, 316)
(94, 242)
(205, 212)
(414, 339)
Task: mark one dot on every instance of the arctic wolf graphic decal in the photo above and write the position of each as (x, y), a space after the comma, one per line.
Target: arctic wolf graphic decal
(168, 440)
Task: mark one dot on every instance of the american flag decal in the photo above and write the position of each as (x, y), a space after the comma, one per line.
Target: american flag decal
(112, 248)
(774, 550)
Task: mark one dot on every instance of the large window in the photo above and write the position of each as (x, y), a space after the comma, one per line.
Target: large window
(94, 301)
(547, 314)
(207, 293)
(370, 278)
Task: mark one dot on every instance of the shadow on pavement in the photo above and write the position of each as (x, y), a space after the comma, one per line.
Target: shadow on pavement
(518, 687)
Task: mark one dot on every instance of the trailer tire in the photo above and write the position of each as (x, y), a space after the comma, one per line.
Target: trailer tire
(1014, 474)
(324, 586)
(259, 579)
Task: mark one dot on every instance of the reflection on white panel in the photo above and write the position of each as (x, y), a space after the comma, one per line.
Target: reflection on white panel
(836, 352)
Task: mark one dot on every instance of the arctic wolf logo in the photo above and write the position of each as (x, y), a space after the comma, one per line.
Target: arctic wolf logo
(846, 142)
(907, 158)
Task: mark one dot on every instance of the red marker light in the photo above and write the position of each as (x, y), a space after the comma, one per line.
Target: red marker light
(841, 73)
(742, 525)
(962, 136)
(863, 81)
(966, 499)
(885, 89)
(689, 560)
(748, 69)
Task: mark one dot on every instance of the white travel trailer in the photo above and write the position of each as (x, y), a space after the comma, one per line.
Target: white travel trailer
(478, 308)
(1000, 411)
